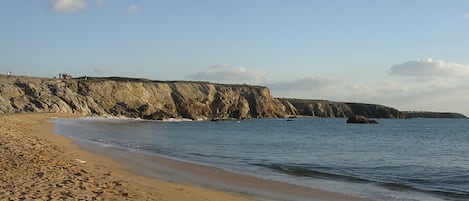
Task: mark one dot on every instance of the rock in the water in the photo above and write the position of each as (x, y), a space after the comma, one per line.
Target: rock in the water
(359, 119)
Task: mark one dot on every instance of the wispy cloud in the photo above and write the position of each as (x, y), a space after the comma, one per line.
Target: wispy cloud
(230, 74)
(132, 9)
(430, 68)
(67, 6)
(466, 15)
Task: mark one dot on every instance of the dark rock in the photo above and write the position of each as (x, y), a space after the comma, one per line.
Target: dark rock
(359, 119)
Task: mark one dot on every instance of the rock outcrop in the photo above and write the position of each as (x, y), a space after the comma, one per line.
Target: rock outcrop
(324, 108)
(359, 119)
(138, 98)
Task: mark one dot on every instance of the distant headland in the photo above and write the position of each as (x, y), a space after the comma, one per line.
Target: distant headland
(157, 100)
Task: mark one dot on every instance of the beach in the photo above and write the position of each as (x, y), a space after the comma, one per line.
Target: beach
(38, 164)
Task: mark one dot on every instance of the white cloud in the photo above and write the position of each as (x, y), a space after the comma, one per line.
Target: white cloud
(132, 9)
(230, 74)
(427, 68)
(67, 6)
(100, 3)
(466, 15)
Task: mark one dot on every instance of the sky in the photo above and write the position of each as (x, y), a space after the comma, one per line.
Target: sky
(407, 54)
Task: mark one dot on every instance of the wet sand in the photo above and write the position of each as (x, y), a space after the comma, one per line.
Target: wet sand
(38, 164)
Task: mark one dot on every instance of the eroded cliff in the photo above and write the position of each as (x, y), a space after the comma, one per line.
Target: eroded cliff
(138, 98)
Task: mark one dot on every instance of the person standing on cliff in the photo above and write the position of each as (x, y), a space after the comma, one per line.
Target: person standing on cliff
(9, 74)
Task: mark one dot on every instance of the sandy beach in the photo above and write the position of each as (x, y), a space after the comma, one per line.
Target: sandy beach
(38, 164)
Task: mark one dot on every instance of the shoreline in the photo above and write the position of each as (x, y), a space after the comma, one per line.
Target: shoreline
(184, 172)
(37, 163)
(97, 173)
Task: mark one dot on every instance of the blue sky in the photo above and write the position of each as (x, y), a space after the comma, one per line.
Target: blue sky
(412, 55)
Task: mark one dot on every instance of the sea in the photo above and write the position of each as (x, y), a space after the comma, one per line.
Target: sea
(394, 160)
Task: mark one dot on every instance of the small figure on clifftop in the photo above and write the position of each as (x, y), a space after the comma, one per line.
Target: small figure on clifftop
(9, 74)
(66, 76)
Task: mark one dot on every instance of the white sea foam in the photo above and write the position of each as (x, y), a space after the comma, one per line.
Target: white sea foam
(177, 120)
(115, 119)
(119, 119)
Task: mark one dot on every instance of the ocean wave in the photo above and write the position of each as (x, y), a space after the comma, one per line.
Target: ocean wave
(296, 170)
(398, 185)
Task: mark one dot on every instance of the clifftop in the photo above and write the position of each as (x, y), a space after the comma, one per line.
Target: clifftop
(148, 99)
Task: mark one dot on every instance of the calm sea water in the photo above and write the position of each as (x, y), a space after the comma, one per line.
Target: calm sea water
(416, 159)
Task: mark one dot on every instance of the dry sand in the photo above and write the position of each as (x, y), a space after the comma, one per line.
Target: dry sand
(36, 164)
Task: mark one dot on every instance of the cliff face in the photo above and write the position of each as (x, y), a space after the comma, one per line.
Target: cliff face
(316, 108)
(323, 108)
(375, 111)
(138, 98)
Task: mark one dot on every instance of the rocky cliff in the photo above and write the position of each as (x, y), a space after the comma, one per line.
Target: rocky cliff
(324, 108)
(137, 98)
(147, 99)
